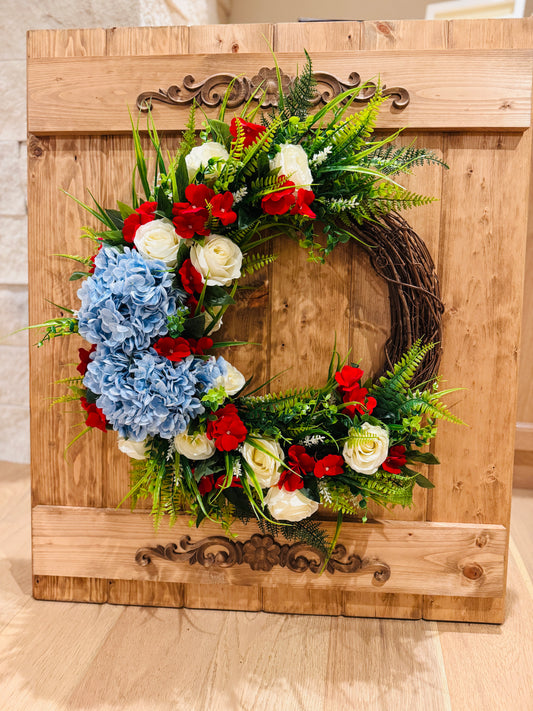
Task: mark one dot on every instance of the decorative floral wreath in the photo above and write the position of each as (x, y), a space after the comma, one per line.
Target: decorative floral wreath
(168, 267)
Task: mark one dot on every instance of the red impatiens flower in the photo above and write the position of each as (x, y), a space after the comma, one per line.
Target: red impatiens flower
(85, 359)
(303, 199)
(143, 214)
(330, 465)
(206, 484)
(191, 279)
(234, 484)
(290, 481)
(299, 460)
(198, 347)
(221, 205)
(95, 416)
(93, 265)
(362, 404)
(198, 195)
(189, 221)
(228, 430)
(175, 349)
(279, 202)
(252, 131)
(396, 459)
(348, 378)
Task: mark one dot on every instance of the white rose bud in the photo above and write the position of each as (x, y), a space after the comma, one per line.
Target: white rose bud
(199, 158)
(264, 466)
(134, 450)
(293, 163)
(233, 381)
(158, 240)
(367, 455)
(208, 319)
(219, 260)
(196, 447)
(289, 505)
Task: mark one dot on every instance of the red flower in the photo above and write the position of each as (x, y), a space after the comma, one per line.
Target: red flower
(206, 484)
(348, 378)
(330, 465)
(143, 214)
(175, 349)
(93, 266)
(303, 199)
(278, 203)
(234, 484)
(290, 481)
(191, 279)
(364, 405)
(228, 430)
(190, 221)
(299, 460)
(95, 416)
(221, 208)
(252, 131)
(197, 195)
(396, 459)
(198, 347)
(85, 359)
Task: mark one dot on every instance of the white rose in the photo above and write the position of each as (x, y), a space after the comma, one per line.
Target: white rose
(294, 164)
(233, 381)
(219, 260)
(199, 158)
(367, 455)
(134, 450)
(197, 446)
(264, 466)
(289, 505)
(158, 240)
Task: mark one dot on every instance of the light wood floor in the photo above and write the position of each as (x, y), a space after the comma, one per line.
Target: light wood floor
(103, 657)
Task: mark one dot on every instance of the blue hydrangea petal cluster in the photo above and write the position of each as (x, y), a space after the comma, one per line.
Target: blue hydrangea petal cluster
(146, 394)
(126, 302)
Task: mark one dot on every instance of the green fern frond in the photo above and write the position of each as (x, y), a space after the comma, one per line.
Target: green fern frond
(338, 497)
(428, 403)
(396, 381)
(254, 262)
(306, 531)
(391, 160)
(298, 101)
(188, 140)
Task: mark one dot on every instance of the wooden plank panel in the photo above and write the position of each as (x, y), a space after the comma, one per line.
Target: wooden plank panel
(87, 95)
(395, 556)
(484, 221)
(53, 225)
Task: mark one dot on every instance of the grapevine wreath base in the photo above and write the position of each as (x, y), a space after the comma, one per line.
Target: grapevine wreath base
(202, 439)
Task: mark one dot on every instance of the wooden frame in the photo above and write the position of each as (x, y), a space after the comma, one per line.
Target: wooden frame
(476, 235)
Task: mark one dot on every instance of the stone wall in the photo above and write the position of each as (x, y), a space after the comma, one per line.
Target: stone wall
(18, 16)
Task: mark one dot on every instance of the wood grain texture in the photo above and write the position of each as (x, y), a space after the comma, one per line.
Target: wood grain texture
(419, 557)
(89, 94)
(54, 223)
(480, 193)
(66, 656)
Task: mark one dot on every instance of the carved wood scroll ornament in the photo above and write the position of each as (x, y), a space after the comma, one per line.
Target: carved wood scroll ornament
(261, 553)
(263, 87)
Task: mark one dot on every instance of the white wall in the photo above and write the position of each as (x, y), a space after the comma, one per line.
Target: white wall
(291, 10)
(17, 17)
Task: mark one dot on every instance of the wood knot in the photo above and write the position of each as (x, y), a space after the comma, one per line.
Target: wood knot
(482, 540)
(35, 147)
(235, 47)
(472, 571)
(384, 28)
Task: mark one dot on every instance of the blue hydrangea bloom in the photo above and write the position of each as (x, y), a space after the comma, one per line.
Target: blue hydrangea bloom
(125, 304)
(146, 394)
